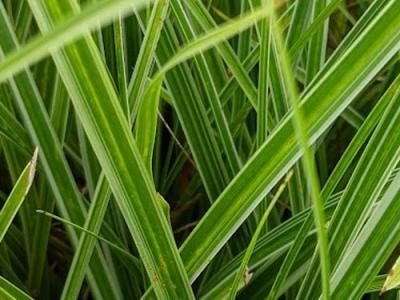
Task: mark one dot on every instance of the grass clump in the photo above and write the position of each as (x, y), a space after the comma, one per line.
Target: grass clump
(199, 149)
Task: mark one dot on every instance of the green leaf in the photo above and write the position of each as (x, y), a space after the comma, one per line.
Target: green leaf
(146, 123)
(378, 160)
(322, 104)
(146, 56)
(87, 242)
(102, 12)
(260, 227)
(126, 179)
(191, 112)
(36, 120)
(101, 196)
(285, 233)
(17, 195)
(309, 165)
(393, 279)
(10, 292)
(97, 105)
(205, 74)
(206, 21)
(357, 269)
(215, 36)
(126, 254)
(12, 130)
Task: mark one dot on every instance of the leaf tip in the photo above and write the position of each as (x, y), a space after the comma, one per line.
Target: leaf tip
(35, 156)
(382, 291)
(247, 276)
(32, 169)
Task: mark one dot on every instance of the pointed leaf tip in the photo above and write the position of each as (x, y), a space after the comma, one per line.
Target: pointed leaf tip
(393, 279)
(32, 169)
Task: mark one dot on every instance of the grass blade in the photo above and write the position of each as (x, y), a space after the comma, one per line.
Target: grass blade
(261, 224)
(12, 130)
(146, 55)
(66, 32)
(146, 124)
(99, 205)
(378, 160)
(309, 165)
(165, 129)
(393, 279)
(118, 155)
(10, 292)
(381, 233)
(52, 160)
(325, 101)
(17, 196)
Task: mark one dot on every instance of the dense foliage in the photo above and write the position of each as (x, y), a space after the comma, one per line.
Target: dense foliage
(189, 149)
